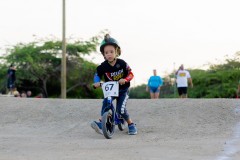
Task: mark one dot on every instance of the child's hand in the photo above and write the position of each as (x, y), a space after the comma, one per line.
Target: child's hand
(122, 81)
(96, 85)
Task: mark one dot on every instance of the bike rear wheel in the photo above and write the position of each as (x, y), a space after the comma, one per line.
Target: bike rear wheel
(108, 126)
(122, 125)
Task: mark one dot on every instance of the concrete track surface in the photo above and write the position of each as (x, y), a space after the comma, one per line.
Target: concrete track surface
(168, 129)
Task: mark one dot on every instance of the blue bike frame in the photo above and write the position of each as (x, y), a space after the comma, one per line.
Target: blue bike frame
(117, 118)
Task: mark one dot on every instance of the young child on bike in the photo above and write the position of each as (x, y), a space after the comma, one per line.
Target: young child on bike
(114, 69)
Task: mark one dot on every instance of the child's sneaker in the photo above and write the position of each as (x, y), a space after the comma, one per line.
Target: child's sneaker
(97, 126)
(132, 129)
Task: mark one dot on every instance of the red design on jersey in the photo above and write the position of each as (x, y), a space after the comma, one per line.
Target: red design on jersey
(108, 76)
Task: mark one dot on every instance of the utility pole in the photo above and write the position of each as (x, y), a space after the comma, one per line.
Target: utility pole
(63, 67)
(174, 84)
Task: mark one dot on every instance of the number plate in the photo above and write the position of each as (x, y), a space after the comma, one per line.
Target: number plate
(110, 89)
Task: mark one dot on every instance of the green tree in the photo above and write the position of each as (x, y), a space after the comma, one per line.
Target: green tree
(39, 64)
(219, 81)
(139, 92)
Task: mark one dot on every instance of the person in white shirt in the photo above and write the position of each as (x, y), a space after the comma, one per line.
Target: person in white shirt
(183, 79)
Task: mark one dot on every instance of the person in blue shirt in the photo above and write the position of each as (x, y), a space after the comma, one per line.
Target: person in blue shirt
(154, 84)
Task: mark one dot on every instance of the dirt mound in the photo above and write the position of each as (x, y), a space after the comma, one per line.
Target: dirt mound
(168, 129)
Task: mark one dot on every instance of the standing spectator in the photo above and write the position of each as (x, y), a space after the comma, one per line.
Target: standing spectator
(29, 94)
(154, 84)
(11, 78)
(183, 78)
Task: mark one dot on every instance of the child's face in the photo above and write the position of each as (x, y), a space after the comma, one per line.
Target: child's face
(110, 52)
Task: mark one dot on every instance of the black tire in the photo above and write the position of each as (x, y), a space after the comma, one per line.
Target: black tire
(122, 125)
(108, 126)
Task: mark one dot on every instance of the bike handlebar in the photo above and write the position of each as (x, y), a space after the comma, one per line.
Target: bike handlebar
(101, 83)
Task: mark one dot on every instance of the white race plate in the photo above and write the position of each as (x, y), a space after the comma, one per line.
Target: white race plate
(110, 89)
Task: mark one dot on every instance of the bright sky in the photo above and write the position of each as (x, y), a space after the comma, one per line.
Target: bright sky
(153, 34)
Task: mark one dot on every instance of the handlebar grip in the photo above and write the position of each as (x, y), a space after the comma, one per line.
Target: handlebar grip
(100, 85)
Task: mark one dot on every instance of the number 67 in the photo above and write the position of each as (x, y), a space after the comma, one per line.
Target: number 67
(109, 87)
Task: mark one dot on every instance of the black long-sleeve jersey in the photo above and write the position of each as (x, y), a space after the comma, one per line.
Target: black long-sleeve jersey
(114, 73)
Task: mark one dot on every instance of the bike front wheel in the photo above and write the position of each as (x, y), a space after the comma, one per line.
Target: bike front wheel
(108, 126)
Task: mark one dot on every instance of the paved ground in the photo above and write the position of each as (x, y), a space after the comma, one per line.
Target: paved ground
(169, 129)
